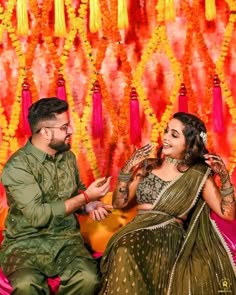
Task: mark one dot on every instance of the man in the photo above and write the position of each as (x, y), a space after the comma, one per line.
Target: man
(44, 191)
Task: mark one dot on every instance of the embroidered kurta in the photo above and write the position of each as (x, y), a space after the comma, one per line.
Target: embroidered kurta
(38, 234)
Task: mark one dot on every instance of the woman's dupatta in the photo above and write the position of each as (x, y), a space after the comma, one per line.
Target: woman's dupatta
(205, 264)
(175, 200)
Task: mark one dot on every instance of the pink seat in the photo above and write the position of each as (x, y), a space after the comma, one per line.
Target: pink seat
(5, 287)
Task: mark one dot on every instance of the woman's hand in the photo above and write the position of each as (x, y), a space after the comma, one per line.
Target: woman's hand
(137, 157)
(98, 210)
(218, 166)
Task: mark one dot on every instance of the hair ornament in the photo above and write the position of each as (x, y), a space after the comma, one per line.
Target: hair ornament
(203, 135)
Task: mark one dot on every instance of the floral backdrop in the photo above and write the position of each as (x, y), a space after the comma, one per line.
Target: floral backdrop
(124, 66)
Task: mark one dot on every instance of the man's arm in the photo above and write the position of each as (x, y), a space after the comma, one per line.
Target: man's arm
(23, 190)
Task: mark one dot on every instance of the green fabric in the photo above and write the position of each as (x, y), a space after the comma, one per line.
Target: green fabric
(79, 277)
(140, 258)
(38, 234)
(204, 265)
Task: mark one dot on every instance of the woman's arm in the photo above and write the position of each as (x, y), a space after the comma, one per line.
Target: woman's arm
(128, 180)
(125, 191)
(212, 196)
(221, 201)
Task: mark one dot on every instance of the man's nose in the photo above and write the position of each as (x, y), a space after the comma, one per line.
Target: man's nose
(69, 130)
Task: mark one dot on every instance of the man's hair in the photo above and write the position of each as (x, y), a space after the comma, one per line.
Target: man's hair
(45, 109)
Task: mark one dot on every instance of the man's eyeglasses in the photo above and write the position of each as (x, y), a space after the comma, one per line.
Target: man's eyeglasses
(63, 128)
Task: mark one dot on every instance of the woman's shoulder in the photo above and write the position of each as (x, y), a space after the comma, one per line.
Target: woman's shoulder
(201, 167)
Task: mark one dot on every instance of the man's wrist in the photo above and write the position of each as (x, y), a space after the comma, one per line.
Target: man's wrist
(86, 197)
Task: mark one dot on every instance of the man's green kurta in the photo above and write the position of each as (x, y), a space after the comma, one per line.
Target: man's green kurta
(38, 233)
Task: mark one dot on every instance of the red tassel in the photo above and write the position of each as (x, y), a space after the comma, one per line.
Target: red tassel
(183, 101)
(218, 114)
(61, 90)
(135, 124)
(97, 120)
(26, 103)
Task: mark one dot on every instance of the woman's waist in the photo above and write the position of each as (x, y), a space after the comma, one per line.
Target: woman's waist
(150, 209)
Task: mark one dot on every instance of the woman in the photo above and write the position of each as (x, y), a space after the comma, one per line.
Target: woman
(171, 246)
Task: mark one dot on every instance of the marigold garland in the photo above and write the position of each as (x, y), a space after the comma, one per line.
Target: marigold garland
(40, 24)
(209, 66)
(32, 47)
(85, 137)
(46, 31)
(187, 58)
(153, 44)
(8, 133)
(176, 68)
(225, 89)
(102, 47)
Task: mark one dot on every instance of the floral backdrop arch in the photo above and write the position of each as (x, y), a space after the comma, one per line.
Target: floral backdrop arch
(124, 66)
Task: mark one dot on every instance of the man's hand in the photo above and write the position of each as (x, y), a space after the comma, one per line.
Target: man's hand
(98, 189)
(98, 210)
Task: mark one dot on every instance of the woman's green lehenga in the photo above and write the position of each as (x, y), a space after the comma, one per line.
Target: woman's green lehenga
(154, 255)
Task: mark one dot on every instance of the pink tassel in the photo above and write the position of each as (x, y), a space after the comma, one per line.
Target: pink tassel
(135, 124)
(183, 101)
(26, 103)
(97, 120)
(218, 115)
(61, 90)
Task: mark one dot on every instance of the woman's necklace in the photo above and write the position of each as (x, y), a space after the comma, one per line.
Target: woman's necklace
(172, 160)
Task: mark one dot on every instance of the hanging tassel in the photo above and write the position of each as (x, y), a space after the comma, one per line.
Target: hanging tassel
(60, 23)
(218, 114)
(123, 22)
(160, 7)
(97, 119)
(61, 90)
(210, 9)
(22, 18)
(183, 101)
(95, 16)
(26, 103)
(135, 124)
(170, 10)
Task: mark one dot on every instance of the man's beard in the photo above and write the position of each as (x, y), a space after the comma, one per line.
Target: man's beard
(59, 145)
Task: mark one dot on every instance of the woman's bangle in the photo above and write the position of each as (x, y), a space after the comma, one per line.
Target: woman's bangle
(225, 179)
(227, 191)
(228, 202)
(85, 196)
(124, 177)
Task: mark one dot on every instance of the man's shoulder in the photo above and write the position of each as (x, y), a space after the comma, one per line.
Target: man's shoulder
(69, 155)
(18, 158)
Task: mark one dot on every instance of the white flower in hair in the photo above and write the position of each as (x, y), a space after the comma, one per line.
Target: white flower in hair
(203, 135)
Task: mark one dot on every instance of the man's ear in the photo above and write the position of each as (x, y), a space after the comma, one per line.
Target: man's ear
(45, 133)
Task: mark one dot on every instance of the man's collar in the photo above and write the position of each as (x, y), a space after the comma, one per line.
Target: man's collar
(39, 154)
